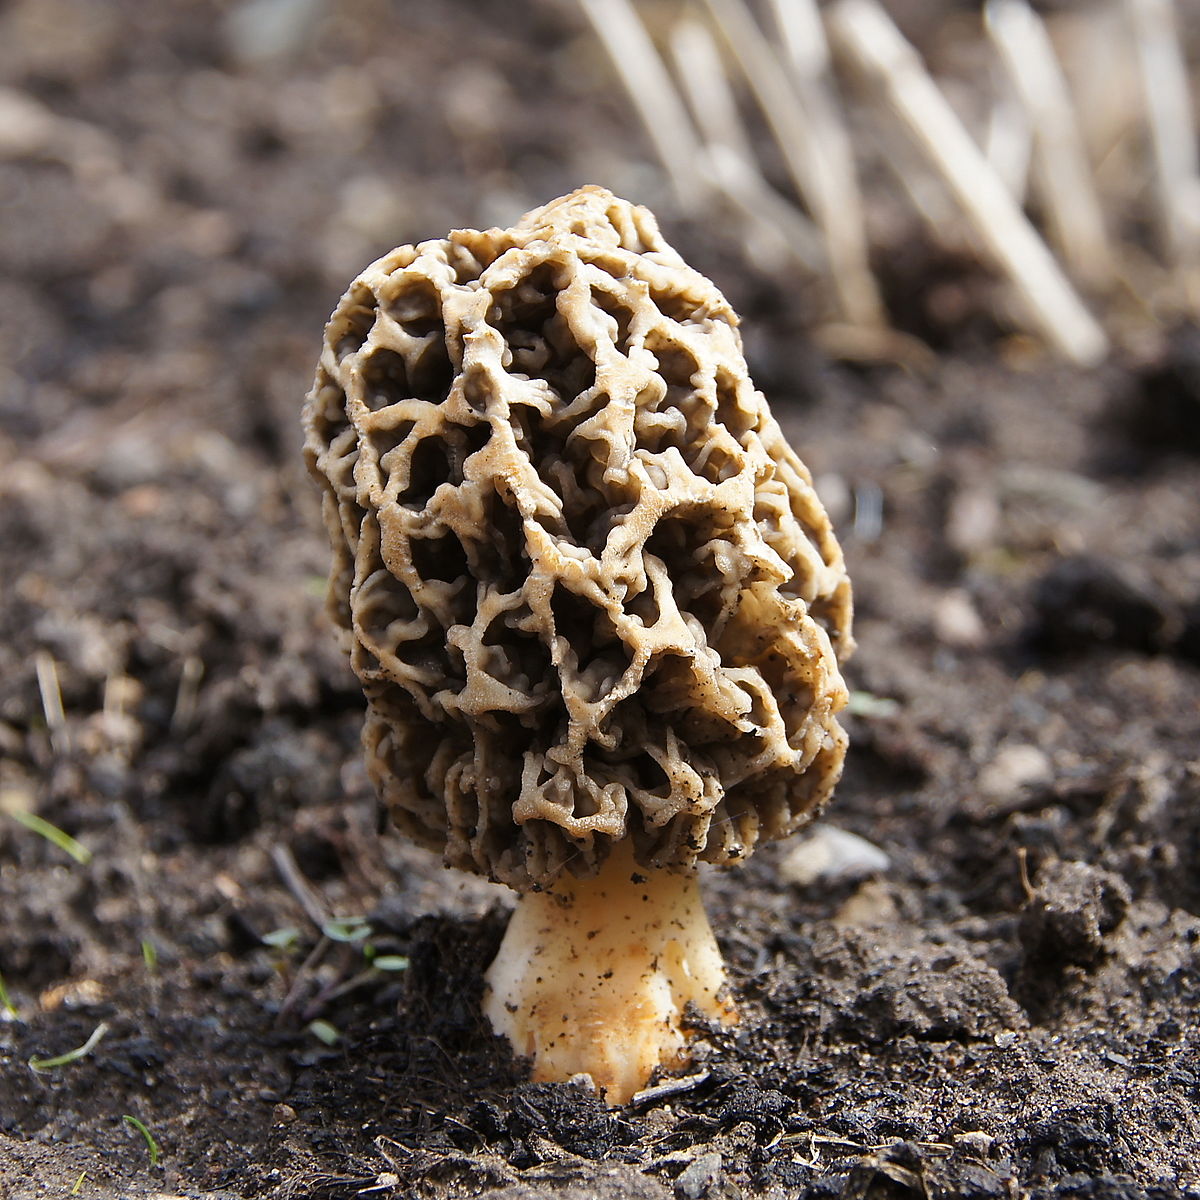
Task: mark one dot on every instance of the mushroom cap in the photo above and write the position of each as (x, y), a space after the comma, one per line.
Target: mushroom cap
(588, 588)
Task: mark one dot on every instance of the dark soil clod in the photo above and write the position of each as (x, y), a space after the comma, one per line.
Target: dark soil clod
(1084, 603)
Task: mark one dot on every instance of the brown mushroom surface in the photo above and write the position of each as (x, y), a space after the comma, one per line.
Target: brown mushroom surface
(588, 588)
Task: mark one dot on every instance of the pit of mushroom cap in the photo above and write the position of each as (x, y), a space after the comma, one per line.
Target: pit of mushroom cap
(593, 976)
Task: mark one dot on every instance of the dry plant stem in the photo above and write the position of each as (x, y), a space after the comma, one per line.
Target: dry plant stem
(1008, 141)
(1172, 132)
(702, 74)
(52, 702)
(293, 879)
(190, 676)
(735, 171)
(808, 59)
(864, 34)
(305, 975)
(593, 977)
(809, 162)
(890, 145)
(1073, 207)
(649, 86)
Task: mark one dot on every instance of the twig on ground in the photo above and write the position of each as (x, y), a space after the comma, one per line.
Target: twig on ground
(866, 37)
(891, 146)
(1072, 204)
(337, 987)
(303, 976)
(671, 1087)
(1023, 867)
(293, 879)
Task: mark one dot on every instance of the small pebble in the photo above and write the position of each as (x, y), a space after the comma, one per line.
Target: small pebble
(973, 519)
(26, 126)
(1015, 766)
(871, 907)
(261, 30)
(956, 621)
(699, 1177)
(975, 1141)
(830, 854)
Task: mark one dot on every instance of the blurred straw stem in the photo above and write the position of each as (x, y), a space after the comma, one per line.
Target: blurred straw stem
(865, 37)
(1008, 140)
(779, 225)
(691, 103)
(1172, 136)
(808, 58)
(814, 162)
(1072, 205)
(649, 85)
(52, 702)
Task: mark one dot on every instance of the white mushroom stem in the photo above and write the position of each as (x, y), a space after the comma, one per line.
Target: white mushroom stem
(594, 976)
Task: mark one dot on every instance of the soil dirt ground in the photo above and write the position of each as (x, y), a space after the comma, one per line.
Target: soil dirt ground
(1009, 1008)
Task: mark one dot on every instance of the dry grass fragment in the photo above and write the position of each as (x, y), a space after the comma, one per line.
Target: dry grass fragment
(816, 74)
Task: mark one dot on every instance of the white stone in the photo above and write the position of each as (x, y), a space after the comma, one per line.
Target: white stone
(1014, 766)
(829, 854)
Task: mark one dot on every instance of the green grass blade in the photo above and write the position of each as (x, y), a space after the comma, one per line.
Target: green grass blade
(325, 1031)
(6, 1000)
(151, 1144)
(61, 1060)
(347, 929)
(64, 841)
(864, 704)
(390, 962)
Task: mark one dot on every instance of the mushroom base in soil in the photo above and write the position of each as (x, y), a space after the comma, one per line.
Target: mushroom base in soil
(594, 976)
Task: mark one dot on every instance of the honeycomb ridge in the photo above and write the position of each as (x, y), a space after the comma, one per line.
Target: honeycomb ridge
(588, 588)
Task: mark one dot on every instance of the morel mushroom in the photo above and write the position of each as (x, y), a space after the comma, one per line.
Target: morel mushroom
(594, 602)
